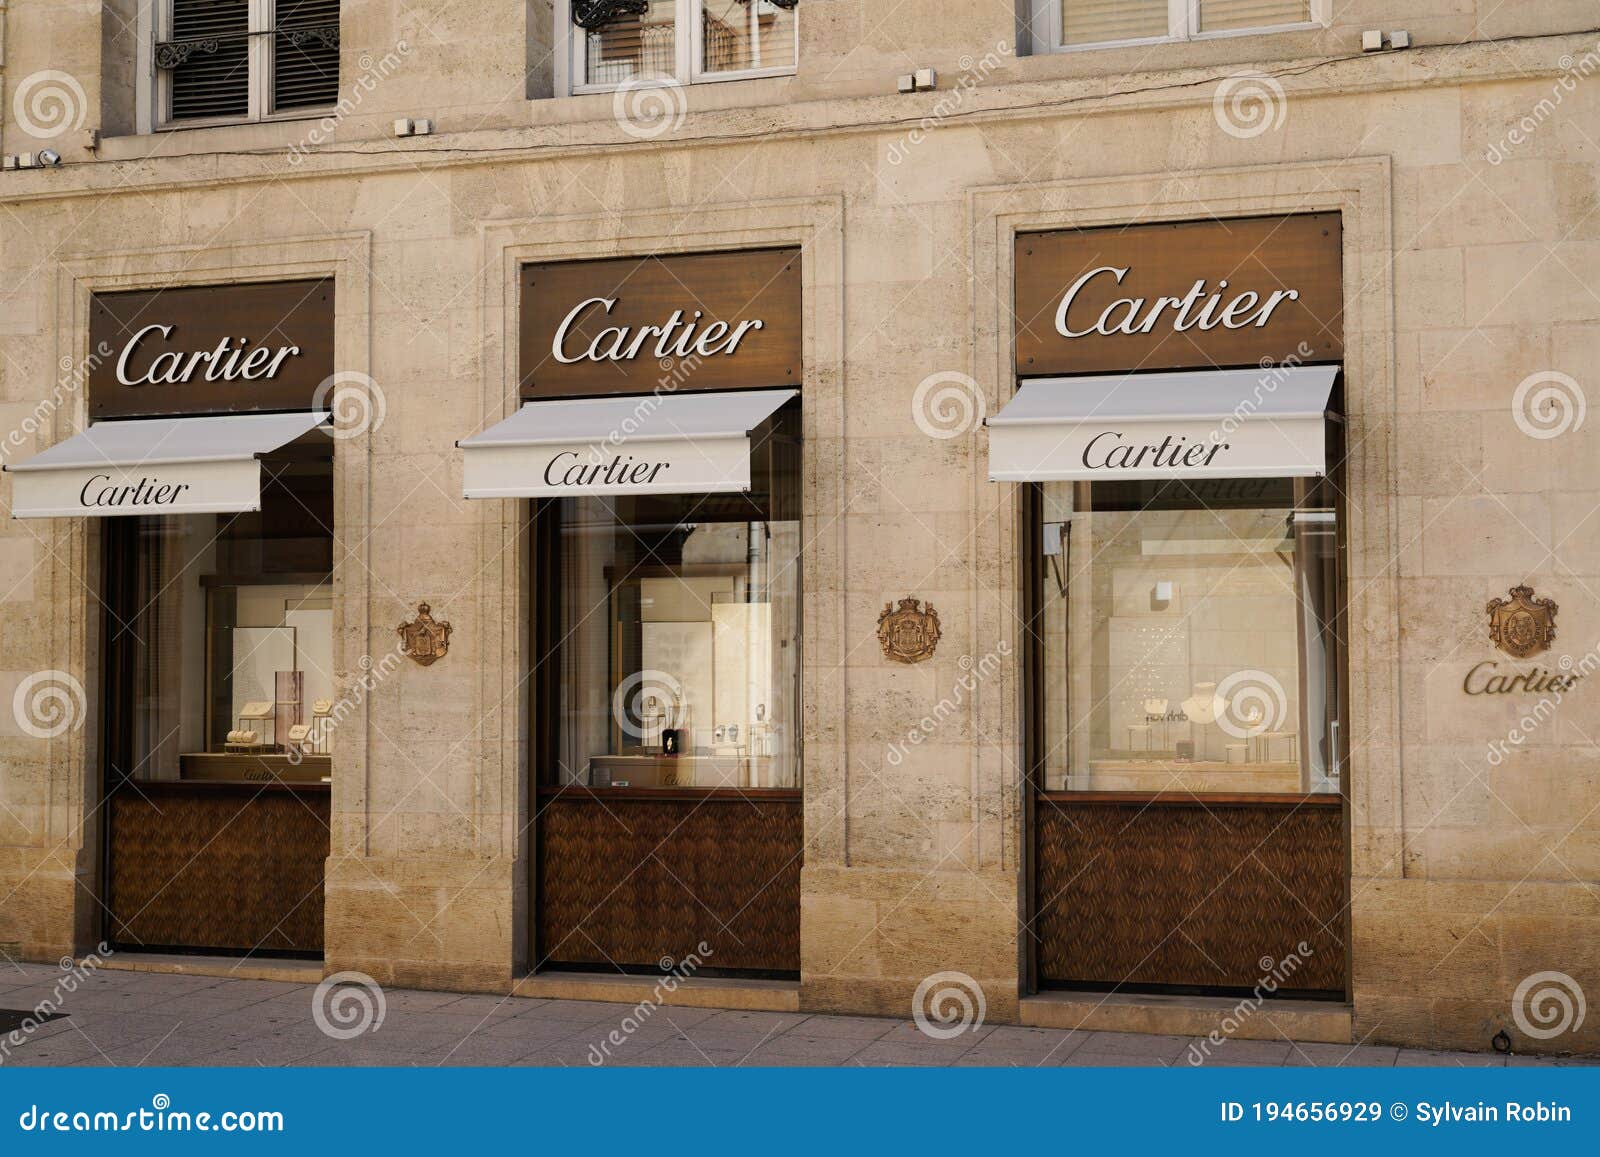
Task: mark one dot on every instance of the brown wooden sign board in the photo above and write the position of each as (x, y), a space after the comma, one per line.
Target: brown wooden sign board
(634, 325)
(210, 349)
(1151, 297)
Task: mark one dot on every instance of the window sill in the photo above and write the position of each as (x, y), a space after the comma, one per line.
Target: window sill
(674, 82)
(1197, 38)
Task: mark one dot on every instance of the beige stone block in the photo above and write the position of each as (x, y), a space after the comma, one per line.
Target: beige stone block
(1466, 535)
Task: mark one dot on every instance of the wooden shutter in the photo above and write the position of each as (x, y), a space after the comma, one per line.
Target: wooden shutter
(305, 54)
(208, 57)
(1097, 21)
(1227, 15)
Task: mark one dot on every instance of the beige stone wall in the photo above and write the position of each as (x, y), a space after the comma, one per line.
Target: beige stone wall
(1464, 275)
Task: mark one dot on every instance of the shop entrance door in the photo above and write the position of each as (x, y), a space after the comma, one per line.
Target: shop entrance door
(1189, 806)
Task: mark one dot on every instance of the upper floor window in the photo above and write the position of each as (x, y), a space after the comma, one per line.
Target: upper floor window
(617, 42)
(242, 60)
(1099, 23)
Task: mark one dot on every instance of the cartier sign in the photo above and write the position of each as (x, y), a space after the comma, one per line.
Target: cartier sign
(210, 349)
(702, 321)
(1186, 295)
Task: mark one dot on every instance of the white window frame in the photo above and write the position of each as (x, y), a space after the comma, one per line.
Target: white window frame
(688, 51)
(1183, 17)
(155, 96)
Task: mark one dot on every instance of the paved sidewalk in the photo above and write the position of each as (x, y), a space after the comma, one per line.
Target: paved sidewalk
(140, 1018)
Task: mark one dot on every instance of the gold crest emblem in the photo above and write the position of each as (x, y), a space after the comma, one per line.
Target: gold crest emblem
(424, 638)
(910, 634)
(1522, 625)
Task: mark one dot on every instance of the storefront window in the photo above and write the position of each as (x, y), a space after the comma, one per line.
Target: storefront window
(1188, 636)
(677, 639)
(220, 634)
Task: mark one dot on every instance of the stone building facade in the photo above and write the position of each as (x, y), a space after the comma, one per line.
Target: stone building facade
(1465, 171)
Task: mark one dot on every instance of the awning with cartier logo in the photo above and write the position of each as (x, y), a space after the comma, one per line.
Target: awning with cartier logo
(1260, 423)
(696, 443)
(196, 465)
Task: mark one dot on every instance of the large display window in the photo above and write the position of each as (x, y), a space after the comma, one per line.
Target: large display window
(677, 639)
(220, 633)
(1189, 635)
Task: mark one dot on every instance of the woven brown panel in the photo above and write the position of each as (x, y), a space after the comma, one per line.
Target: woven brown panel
(226, 869)
(1212, 896)
(628, 881)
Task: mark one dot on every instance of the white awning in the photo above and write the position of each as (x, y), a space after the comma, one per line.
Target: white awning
(629, 444)
(1265, 423)
(200, 465)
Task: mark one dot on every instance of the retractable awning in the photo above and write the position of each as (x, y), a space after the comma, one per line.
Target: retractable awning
(199, 465)
(630, 444)
(1265, 423)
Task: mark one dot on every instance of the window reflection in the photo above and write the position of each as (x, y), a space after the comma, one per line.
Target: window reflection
(1188, 636)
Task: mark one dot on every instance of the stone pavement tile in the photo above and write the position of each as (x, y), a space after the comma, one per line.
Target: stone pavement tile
(50, 1053)
(1084, 1059)
(109, 1029)
(833, 1049)
(281, 1050)
(524, 1028)
(105, 1000)
(907, 1032)
(759, 1023)
(481, 1005)
(929, 1054)
(1168, 1048)
(862, 1027)
(581, 1011)
(1523, 1062)
(201, 1005)
(1013, 1043)
(1327, 1055)
(1412, 1058)
(411, 999)
(694, 1053)
(1232, 1051)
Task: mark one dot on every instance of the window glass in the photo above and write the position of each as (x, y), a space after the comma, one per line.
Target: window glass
(637, 47)
(1233, 15)
(743, 35)
(1188, 636)
(220, 634)
(1096, 21)
(678, 641)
